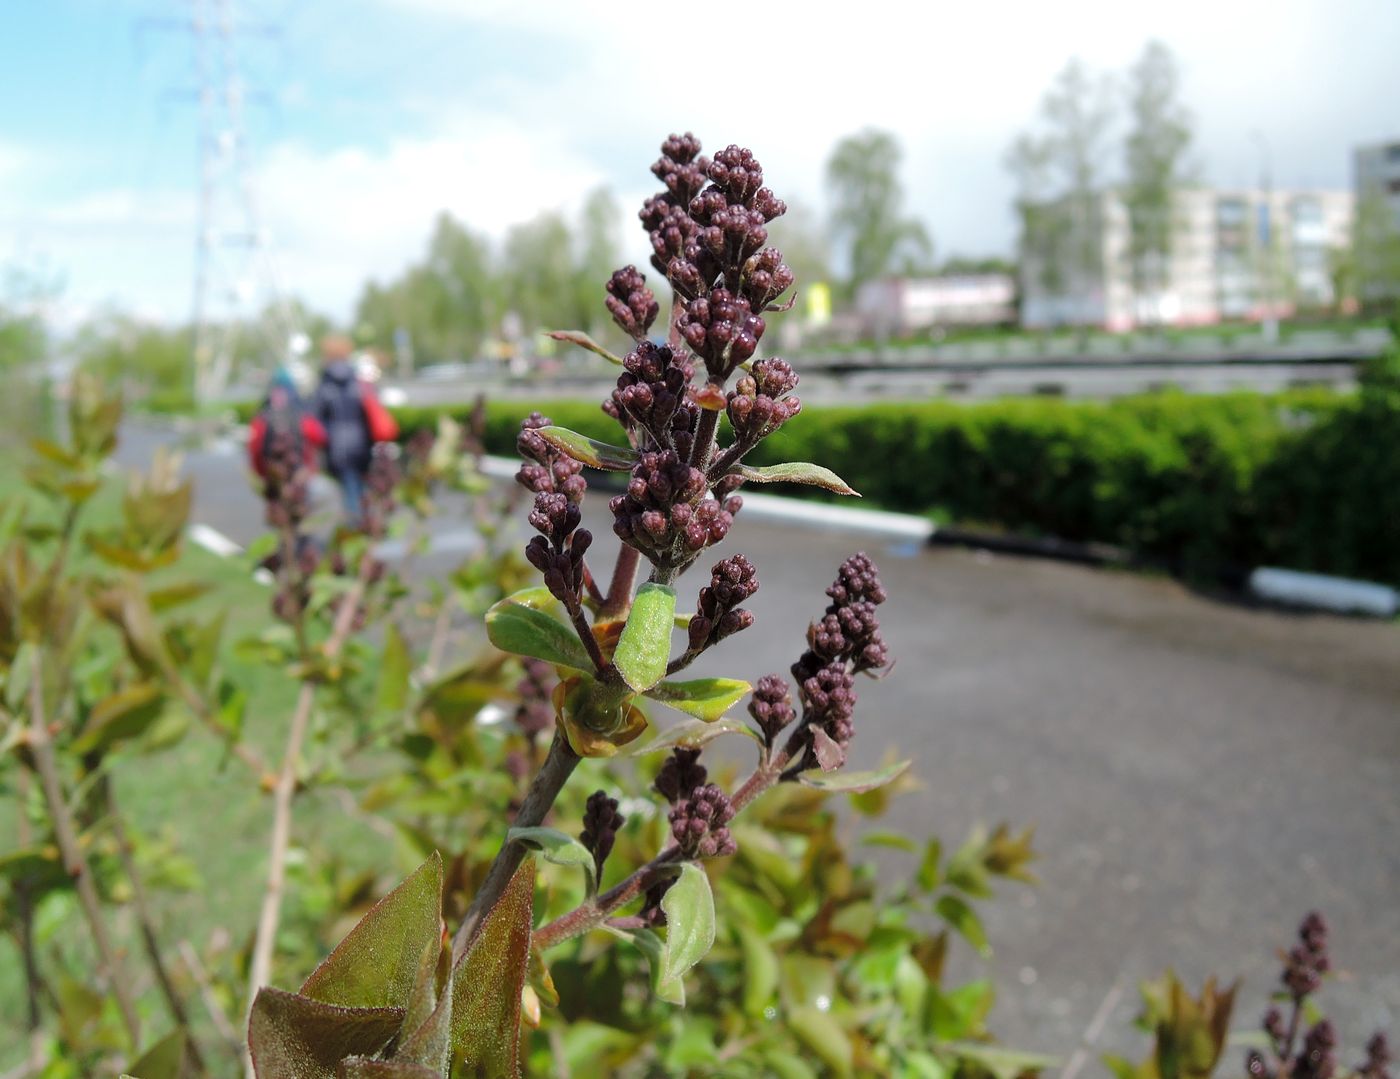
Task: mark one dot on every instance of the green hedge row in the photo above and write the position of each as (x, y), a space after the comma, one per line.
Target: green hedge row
(1307, 479)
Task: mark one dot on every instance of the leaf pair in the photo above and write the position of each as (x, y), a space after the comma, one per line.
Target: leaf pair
(389, 1002)
(689, 907)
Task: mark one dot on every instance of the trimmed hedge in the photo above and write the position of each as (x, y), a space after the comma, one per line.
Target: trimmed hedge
(1307, 479)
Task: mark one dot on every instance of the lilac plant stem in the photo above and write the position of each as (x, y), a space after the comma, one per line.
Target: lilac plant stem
(594, 913)
(558, 766)
(620, 589)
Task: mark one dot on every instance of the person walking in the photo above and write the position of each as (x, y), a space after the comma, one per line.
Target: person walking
(354, 421)
(284, 415)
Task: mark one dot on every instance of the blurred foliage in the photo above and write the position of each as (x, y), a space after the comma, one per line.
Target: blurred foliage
(1189, 1033)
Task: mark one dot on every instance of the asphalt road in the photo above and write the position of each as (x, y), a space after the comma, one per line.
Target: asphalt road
(1200, 773)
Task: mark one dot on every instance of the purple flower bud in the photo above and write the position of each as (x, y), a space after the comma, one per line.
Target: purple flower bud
(698, 823)
(601, 822)
(680, 775)
(771, 706)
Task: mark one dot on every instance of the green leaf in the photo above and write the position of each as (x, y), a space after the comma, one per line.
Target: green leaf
(557, 847)
(488, 980)
(893, 840)
(797, 472)
(52, 451)
(654, 950)
(964, 919)
(260, 548)
(693, 734)
(760, 971)
(395, 666)
(852, 782)
(929, 872)
(293, 1035)
(378, 962)
(162, 1060)
(644, 648)
(126, 714)
(163, 599)
(578, 337)
(785, 1065)
(826, 1040)
(518, 625)
(589, 451)
(690, 924)
(1002, 1063)
(961, 1012)
(704, 698)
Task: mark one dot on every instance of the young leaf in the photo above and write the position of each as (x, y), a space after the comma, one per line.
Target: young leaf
(589, 451)
(1002, 1063)
(693, 734)
(378, 962)
(760, 970)
(690, 924)
(162, 1060)
(852, 782)
(829, 753)
(578, 337)
(704, 698)
(814, 1029)
(930, 872)
(289, 1034)
(654, 949)
(128, 713)
(517, 624)
(163, 599)
(797, 472)
(644, 648)
(395, 666)
(557, 847)
(964, 919)
(488, 980)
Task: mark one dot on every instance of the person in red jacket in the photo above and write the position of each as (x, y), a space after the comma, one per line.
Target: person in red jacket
(282, 412)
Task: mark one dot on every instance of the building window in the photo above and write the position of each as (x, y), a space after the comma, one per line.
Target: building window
(1392, 153)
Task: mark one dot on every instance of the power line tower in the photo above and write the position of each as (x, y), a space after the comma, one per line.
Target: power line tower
(235, 278)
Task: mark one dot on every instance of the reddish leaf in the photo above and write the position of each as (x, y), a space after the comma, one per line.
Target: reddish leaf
(488, 980)
(294, 1035)
(379, 961)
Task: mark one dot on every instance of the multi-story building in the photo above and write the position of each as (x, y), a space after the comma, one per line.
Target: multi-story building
(1235, 254)
(1378, 175)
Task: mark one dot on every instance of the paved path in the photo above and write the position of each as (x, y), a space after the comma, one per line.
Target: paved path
(1200, 774)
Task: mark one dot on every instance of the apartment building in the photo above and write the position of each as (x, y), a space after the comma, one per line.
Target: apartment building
(897, 306)
(1236, 254)
(1377, 172)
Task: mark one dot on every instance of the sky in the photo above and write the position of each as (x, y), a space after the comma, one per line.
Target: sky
(365, 118)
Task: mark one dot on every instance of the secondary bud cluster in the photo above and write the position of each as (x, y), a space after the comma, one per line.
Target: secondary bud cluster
(844, 642)
(759, 403)
(771, 706)
(680, 775)
(722, 329)
(601, 822)
(698, 823)
(555, 478)
(651, 395)
(632, 305)
(535, 713)
(379, 502)
(718, 614)
(1307, 960)
(1377, 1062)
(665, 513)
(286, 488)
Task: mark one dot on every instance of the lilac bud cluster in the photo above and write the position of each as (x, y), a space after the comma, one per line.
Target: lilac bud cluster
(379, 503)
(1308, 960)
(844, 642)
(632, 305)
(759, 403)
(601, 822)
(708, 230)
(559, 488)
(286, 489)
(698, 823)
(771, 706)
(535, 713)
(718, 614)
(651, 394)
(680, 775)
(1377, 1062)
(665, 513)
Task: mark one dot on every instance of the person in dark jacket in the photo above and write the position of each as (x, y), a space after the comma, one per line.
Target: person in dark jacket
(340, 408)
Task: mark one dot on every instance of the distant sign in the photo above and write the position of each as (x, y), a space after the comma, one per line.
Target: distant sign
(819, 304)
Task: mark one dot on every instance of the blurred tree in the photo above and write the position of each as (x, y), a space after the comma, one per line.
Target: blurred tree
(537, 270)
(867, 221)
(24, 340)
(1058, 173)
(1155, 163)
(799, 235)
(599, 247)
(151, 363)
